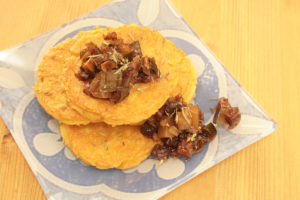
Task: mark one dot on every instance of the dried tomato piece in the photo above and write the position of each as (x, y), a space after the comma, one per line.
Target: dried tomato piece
(226, 115)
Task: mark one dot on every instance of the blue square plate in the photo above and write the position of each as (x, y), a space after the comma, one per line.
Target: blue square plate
(60, 174)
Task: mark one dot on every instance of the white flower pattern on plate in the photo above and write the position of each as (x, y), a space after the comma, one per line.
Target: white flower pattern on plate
(49, 144)
(148, 11)
(170, 169)
(198, 63)
(10, 79)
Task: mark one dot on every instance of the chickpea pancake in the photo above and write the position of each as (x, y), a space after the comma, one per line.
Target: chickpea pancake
(49, 89)
(144, 99)
(105, 147)
(61, 93)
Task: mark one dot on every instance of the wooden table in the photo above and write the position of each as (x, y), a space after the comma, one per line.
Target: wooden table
(259, 43)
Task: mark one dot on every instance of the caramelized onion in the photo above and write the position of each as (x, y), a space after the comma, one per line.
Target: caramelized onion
(124, 49)
(89, 66)
(184, 121)
(108, 66)
(137, 48)
(119, 94)
(166, 121)
(167, 132)
(104, 83)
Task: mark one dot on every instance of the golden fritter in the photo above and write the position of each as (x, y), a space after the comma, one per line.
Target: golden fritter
(61, 93)
(50, 90)
(104, 147)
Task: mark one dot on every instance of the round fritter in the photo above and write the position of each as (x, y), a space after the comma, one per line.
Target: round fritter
(50, 90)
(61, 93)
(144, 98)
(104, 147)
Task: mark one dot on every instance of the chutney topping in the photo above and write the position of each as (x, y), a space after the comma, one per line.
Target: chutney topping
(109, 70)
(178, 127)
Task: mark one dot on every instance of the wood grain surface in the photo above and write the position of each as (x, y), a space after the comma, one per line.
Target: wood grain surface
(259, 43)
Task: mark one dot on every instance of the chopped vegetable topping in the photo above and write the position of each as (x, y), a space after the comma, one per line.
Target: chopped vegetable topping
(179, 128)
(226, 115)
(109, 70)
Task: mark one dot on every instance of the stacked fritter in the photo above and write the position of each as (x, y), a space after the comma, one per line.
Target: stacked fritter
(105, 85)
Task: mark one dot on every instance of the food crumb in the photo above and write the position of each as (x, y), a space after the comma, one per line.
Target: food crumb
(160, 163)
